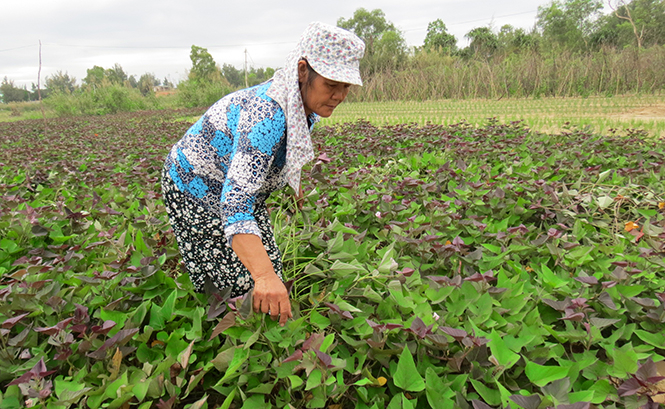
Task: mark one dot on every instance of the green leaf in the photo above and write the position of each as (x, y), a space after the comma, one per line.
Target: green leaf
(489, 395)
(406, 375)
(657, 340)
(604, 201)
(503, 355)
(314, 379)
(319, 320)
(435, 391)
(240, 356)
(61, 386)
(551, 279)
(296, 381)
(541, 375)
(140, 389)
(256, 402)
(582, 396)
(229, 399)
(625, 361)
(400, 402)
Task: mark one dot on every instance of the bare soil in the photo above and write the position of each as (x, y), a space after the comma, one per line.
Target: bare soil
(648, 112)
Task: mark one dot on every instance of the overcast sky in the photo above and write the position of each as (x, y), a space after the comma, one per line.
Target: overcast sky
(156, 36)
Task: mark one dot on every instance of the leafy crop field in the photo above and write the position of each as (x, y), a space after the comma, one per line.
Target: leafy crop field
(442, 266)
(606, 115)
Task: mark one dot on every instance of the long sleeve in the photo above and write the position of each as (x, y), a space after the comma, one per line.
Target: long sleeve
(257, 138)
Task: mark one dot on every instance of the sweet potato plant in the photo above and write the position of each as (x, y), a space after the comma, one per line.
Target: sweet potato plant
(431, 266)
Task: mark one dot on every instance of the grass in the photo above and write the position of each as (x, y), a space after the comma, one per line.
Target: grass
(18, 111)
(550, 115)
(599, 114)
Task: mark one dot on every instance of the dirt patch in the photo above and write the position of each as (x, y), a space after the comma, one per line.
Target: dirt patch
(648, 112)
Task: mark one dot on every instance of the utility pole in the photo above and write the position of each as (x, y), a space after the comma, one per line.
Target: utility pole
(246, 82)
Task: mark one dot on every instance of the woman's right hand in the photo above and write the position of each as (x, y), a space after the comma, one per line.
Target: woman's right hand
(270, 295)
(269, 292)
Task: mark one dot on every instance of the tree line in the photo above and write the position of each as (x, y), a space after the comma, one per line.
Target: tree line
(565, 32)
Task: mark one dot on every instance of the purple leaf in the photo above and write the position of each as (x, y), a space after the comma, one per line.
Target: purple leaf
(313, 342)
(557, 305)
(104, 329)
(587, 280)
(647, 370)
(9, 323)
(578, 405)
(335, 308)
(629, 387)
(458, 334)
(407, 272)
(81, 314)
(56, 328)
(527, 402)
(325, 359)
(480, 405)
(521, 229)
(577, 317)
(458, 242)
(607, 301)
(119, 339)
(296, 356)
(419, 328)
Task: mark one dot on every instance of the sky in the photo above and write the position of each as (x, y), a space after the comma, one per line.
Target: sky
(149, 36)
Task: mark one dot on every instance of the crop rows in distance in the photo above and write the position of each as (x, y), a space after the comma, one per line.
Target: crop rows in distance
(434, 266)
(599, 114)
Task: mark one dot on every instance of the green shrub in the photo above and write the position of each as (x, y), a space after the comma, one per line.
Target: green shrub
(109, 99)
(193, 93)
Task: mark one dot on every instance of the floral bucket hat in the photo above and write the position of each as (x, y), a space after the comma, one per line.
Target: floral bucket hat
(333, 52)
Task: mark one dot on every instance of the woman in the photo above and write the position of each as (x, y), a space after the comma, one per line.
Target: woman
(247, 145)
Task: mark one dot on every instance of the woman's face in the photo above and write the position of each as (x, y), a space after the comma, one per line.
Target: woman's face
(320, 95)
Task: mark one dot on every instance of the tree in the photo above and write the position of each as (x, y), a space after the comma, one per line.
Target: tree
(12, 93)
(640, 22)
(483, 42)
(511, 39)
(384, 44)
(94, 77)
(116, 75)
(570, 23)
(146, 83)
(60, 83)
(203, 65)
(439, 39)
(234, 76)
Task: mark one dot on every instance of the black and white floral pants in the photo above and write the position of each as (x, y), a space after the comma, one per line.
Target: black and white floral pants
(203, 245)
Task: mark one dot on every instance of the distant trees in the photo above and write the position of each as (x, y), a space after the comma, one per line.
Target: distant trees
(203, 66)
(640, 23)
(483, 42)
(12, 93)
(147, 83)
(60, 82)
(439, 39)
(385, 47)
(569, 23)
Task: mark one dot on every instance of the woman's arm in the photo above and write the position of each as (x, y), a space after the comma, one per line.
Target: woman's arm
(269, 292)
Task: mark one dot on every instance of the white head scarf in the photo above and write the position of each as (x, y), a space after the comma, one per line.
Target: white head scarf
(333, 53)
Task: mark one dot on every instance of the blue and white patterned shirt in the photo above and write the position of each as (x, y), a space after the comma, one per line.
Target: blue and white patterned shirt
(232, 158)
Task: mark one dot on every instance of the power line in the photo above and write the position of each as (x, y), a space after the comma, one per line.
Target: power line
(477, 20)
(154, 47)
(18, 48)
